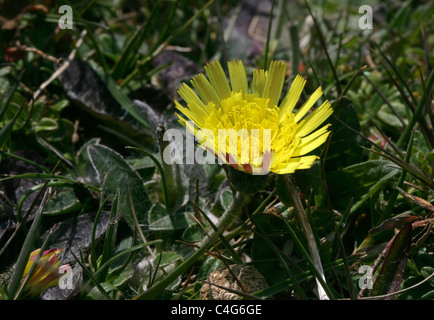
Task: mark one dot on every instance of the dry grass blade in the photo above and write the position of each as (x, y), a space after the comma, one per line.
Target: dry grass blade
(307, 229)
(62, 68)
(418, 200)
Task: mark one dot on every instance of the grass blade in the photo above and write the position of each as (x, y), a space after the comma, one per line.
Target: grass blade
(104, 267)
(323, 44)
(119, 95)
(26, 249)
(160, 168)
(4, 132)
(92, 241)
(162, 46)
(267, 44)
(224, 241)
(35, 263)
(11, 94)
(323, 291)
(129, 54)
(110, 235)
(91, 277)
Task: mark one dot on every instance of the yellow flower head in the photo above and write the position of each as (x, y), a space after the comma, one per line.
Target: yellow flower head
(246, 127)
(46, 273)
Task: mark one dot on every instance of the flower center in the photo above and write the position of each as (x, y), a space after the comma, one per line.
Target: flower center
(251, 127)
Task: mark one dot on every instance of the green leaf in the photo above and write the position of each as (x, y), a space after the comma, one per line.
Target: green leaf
(129, 56)
(359, 182)
(114, 173)
(428, 296)
(392, 270)
(145, 167)
(47, 124)
(389, 118)
(162, 173)
(84, 166)
(63, 202)
(282, 192)
(226, 198)
(60, 105)
(167, 259)
(195, 232)
(96, 294)
(11, 95)
(161, 220)
(12, 108)
(55, 130)
(264, 259)
(124, 276)
(119, 255)
(209, 265)
(344, 149)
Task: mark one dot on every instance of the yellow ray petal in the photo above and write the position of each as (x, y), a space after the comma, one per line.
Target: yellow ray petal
(258, 82)
(190, 96)
(307, 162)
(311, 145)
(296, 163)
(181, 120)
(205, 90)
(308, 104)
(291, 98)
(314, 120)
(218, 79)
(193, 116)
(314, 134)
(274, 82)
(193, 102)
(238, 77)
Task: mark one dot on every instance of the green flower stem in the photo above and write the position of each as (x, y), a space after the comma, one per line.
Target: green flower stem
(222, 238)
(308, 233)
(171, 176)
(233, 211)
(295, 45)
(258, 210)
(230, 215)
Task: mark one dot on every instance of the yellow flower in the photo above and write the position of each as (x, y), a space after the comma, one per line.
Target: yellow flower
(46, 273)
(268, 136)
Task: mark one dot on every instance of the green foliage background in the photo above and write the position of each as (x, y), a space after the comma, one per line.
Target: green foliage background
(81, 167)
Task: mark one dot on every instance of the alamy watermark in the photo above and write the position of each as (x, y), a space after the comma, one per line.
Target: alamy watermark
(66, 20)
(228, 142)
(66, 281)
(365, 281)
(365, 21)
